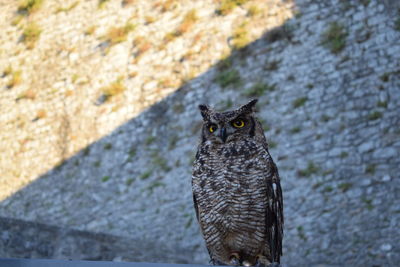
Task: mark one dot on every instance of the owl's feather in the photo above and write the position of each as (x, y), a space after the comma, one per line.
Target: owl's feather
(236, 190)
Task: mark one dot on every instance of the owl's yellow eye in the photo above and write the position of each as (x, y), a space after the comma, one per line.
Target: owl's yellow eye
(238, 123)
(212, 128)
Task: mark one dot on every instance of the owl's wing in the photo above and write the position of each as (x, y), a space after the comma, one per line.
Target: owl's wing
(196, 208)
(274, 217)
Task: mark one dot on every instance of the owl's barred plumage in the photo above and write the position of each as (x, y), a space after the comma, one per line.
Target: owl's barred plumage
(236, 189)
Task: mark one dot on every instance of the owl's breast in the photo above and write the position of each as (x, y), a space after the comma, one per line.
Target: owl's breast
(230, 190)
(245, 159)
(230, 185)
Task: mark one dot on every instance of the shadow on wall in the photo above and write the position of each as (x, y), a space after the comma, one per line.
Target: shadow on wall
(136, 181)
(316, 91)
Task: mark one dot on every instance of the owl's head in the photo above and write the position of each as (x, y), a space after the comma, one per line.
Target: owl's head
(224, 127)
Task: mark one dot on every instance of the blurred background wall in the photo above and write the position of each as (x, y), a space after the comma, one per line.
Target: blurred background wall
(99, 123)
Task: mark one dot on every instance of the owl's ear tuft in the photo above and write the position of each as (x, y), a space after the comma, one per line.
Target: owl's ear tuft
(205, 111)
(249, 107)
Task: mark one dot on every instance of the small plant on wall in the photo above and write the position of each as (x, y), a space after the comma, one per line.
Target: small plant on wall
(31, 35)
(227, 6)
(117, 35)
(29, 6)
(334, 38)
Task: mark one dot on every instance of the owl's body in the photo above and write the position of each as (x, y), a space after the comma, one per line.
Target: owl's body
(236, 190)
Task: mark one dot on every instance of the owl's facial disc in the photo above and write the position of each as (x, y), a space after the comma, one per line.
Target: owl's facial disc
(224, 127)
(228, 129)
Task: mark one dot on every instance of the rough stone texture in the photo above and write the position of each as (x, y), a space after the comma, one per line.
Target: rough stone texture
(333, 127)
(22, 239)
(59, 106)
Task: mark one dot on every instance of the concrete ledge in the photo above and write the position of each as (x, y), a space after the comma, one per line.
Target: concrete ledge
(70, 263)
(24, 239)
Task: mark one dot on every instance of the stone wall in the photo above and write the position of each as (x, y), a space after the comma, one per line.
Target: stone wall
(93, 68)
(328, 84)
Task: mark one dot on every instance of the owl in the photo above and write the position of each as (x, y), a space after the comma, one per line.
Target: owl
(236, 190)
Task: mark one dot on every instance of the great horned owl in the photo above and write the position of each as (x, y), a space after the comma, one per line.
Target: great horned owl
(236, 190)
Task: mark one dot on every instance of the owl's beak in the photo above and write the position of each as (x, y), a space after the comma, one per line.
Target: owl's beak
(222, 134)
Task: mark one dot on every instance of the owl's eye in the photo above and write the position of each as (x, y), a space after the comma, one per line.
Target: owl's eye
(239, 123)
(212, 128)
